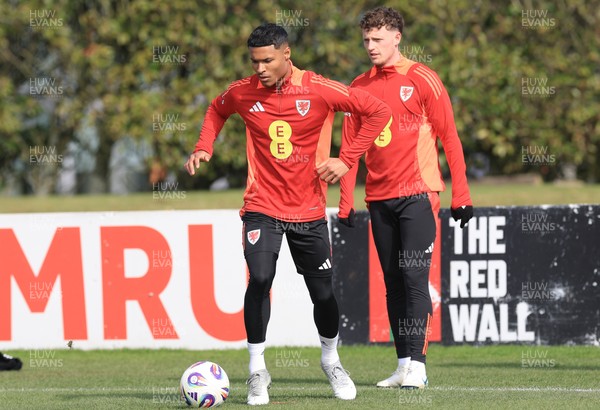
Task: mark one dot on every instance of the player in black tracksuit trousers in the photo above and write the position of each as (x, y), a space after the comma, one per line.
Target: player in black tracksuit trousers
(404, 232)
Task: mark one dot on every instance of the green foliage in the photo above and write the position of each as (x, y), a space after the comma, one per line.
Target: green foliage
(135, 60)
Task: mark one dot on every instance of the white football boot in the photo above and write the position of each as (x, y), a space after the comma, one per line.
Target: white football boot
(396, 379)
(258, 385)
(341, 383)
(416, 378)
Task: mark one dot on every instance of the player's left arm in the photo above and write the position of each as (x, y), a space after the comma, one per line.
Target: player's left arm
(439, 112)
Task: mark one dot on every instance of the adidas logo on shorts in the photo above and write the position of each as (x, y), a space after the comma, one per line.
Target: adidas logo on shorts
(325, 265)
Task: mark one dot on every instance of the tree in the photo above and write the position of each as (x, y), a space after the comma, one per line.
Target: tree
(147, 70)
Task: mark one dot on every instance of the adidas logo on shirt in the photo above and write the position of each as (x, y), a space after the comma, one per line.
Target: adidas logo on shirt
(257, 107)
(325, 265)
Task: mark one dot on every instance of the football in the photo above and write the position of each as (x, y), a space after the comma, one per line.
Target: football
(204, 384)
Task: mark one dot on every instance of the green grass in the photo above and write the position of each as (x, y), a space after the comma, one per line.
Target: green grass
(483, 195)
(460, 377)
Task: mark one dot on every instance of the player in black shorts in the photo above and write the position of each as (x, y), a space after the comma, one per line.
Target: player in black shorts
(311, 251)
(288, 114)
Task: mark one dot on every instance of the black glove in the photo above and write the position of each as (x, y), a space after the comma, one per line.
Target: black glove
(464, 213)
(349, 222)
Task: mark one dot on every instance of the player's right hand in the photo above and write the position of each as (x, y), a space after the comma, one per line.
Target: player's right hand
(332, 170)
(349, 220)
(194, 161)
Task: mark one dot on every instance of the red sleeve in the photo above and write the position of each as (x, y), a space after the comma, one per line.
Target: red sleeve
(350, 128)
(218, 111)
(440, 114)
(375, 116)
(375, 112)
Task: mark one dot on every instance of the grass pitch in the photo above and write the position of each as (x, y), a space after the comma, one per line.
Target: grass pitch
(462, 377)
(482, 195)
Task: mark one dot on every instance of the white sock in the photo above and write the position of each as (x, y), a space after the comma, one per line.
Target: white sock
(257, 357)
(329, 354)
(403, 361)
(417, 366)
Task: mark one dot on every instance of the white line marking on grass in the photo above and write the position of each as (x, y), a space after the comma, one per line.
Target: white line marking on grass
(516, 389)
(82, 389)
(171, 389)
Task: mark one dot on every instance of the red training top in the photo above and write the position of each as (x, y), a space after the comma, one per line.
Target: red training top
(403, 160)
(288, 132)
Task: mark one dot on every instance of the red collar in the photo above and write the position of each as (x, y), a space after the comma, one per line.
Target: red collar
(397, 67)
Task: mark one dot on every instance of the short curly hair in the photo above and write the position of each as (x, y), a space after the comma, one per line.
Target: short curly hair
(382, 17)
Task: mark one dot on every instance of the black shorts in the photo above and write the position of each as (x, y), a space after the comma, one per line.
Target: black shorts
(308, 241)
